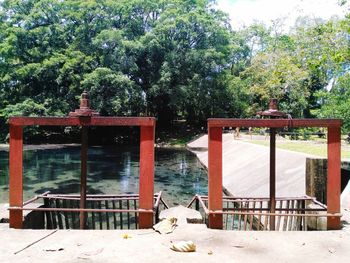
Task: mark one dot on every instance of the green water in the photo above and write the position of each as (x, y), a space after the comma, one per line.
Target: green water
(178, 173)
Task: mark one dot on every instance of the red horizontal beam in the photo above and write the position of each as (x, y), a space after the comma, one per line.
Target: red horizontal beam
(82, 121)
(19, 208)
(273, 123)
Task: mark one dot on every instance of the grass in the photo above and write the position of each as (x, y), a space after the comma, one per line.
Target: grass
(308, 147)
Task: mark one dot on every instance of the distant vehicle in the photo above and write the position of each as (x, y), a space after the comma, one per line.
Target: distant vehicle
(348, 138)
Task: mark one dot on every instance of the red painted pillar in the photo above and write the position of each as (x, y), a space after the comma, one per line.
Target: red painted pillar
(146, 191)
(16, 175)
(215, 176)
(333, 177)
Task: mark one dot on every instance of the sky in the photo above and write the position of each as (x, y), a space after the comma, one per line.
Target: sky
(244, 12)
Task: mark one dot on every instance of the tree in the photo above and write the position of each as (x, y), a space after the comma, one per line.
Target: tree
(171, 59)
(335, 103)
(159, 58)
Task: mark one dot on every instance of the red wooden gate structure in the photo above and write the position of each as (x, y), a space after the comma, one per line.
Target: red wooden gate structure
(83, 117)
(215, 197)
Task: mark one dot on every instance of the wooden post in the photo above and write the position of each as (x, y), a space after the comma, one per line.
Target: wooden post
(146, 187)
(215, 176)
(272, 176)
(83, 174)
(333, 177)
(16, 175)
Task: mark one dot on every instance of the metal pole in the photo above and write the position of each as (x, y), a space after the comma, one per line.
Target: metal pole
(83, 156)
(272, 176)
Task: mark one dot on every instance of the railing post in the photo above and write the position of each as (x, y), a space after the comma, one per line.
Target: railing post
(197, 204)
(215, 176)
(156, 215)
(333, 177)
(146, 190)
(16, 175)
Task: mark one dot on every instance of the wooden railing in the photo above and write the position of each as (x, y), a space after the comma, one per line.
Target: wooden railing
(102, 211)
(292, 214)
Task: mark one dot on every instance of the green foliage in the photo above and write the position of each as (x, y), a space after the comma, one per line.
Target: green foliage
(336, 102)
(296, 68)
(25, 108)
(111, 93)
(171, 59)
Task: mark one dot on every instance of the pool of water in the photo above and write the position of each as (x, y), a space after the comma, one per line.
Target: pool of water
(178, 172)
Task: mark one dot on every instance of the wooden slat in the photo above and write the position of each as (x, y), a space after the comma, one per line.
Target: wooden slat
(233, 217)
(48, 215)
(252, 217)
(266, 218)
(107, 215)
(93, 222)
(286, 218)
(114, 216)
(128, 214)
(304, 223)
(298, 219)
(53, 215)
(245, 220)
(66, 215)
(280, 202)
(59, 215)
(239, 216)
(100, 215)
(291, 221)
(74, 225)
(121, 215)
(136, 217)
(273, 123)
(226, 216)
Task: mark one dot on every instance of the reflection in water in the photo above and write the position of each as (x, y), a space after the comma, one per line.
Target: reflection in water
(178, 173)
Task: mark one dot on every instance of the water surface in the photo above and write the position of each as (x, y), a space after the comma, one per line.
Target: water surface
(178, 172)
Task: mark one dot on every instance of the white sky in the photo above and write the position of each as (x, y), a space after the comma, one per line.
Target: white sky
(244, 12)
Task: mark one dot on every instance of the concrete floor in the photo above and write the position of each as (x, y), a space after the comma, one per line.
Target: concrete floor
(149, 246)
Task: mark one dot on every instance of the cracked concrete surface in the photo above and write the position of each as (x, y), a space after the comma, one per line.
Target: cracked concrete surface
(149, 246)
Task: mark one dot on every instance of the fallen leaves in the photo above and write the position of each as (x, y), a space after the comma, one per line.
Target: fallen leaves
(126, 236)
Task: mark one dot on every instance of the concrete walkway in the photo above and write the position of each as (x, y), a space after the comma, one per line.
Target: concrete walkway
(246, 168)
